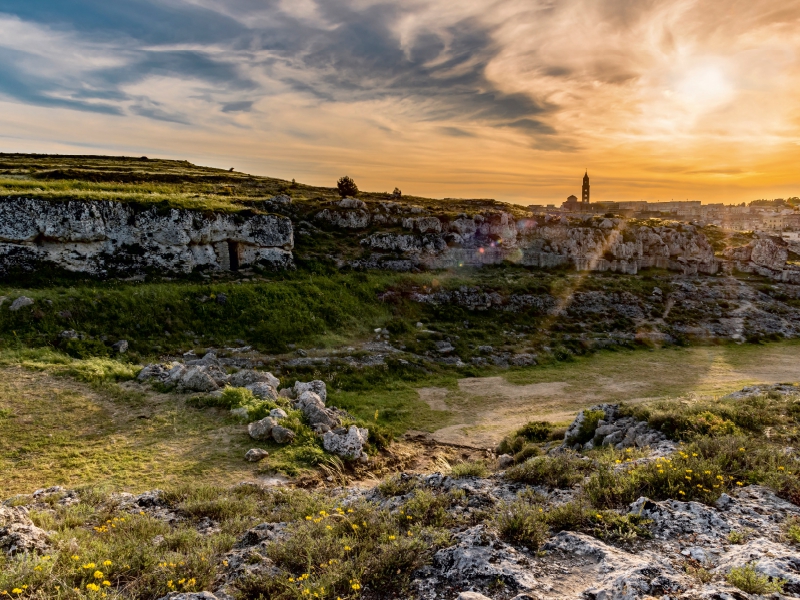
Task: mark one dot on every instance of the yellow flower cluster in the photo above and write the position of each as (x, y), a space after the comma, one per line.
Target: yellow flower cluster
(110, 524)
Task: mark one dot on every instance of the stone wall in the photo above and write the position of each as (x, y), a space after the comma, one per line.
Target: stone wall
(111, 238)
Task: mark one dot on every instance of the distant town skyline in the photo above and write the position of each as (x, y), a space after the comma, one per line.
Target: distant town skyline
(505, 99)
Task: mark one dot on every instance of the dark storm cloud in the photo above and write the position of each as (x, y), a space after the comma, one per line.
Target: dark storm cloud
(347, 54)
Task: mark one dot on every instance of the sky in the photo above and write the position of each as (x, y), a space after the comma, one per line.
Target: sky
(504, 99)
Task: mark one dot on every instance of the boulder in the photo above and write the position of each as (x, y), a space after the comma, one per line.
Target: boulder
(262, 430)
(278, 414)
(20, 303)
(348, 444)
(352, 203)
(23, 538)
(316, 386)
(246, 377)
(472, 596)
(121, 347)
(14, 515)
(282, 435)
(263, 390)
(197, 379)
(256, 455)
(154, 371)
(315, 412)
(505, 460)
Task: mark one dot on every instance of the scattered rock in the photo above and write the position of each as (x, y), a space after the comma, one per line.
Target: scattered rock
(247, 377)
(263, 390)
(121, 347)
(278, 414)
(262, 430)
(20, 303)
(69, 334)
(613, 430)
(282, 435)
(23, 538)
(505, 460)
(197, 379)
(348, 444)
(256, 455)
(316, 386)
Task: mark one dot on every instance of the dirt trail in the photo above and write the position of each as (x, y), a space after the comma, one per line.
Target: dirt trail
(485, 409)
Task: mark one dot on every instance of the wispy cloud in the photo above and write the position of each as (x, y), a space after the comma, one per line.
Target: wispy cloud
(530, 87)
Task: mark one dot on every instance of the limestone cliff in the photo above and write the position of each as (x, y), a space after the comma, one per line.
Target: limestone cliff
(111, 238)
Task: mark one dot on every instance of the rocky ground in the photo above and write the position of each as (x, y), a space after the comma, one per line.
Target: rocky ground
(736, 546)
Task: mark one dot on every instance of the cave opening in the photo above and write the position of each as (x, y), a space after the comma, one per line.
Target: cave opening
(233, 255)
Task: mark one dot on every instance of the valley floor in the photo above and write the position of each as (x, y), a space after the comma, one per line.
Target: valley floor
(55, 430)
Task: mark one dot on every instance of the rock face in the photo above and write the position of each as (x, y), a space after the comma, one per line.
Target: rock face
(593, 244)
(111, 238)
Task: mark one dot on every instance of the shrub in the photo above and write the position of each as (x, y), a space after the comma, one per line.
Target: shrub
(736, 537)
(521, 522)
(85, 349)
(560, 471)
(536, 431)
(750, 581)
(473, 468)
(397, 485)
(528, 451)
(603, 524)
(520, 441)
(347, 187)
(707, 423)
(793, 530)
(700, 471)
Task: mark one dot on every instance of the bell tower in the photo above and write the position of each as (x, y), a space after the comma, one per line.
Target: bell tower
(585, 189)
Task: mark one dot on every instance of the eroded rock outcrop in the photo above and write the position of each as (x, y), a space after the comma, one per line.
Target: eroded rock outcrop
(594, 244)
(113, 238)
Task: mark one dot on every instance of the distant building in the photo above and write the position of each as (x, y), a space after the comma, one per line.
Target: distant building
(585, 189)
(572, 204)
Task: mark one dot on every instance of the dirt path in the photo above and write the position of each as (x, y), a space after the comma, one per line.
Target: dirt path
(485, 409)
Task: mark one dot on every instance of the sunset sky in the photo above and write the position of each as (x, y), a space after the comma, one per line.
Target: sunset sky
(506, 99)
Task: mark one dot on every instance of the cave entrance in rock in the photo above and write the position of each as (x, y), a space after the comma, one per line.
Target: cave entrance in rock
(233, 255)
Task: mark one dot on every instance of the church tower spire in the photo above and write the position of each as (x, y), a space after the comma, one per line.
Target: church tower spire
(585, 189)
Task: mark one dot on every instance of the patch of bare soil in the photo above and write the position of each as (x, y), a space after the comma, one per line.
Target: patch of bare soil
(485, 409)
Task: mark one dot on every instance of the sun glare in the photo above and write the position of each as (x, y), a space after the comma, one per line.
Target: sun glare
(703, 88)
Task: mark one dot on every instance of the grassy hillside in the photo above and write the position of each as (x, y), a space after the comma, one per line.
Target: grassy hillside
(180, 184)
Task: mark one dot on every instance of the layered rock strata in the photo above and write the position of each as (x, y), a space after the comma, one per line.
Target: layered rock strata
(111, 238)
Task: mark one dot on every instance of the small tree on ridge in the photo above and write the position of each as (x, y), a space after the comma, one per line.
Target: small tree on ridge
(347, 187)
